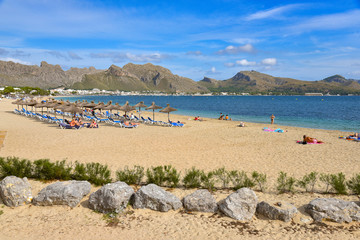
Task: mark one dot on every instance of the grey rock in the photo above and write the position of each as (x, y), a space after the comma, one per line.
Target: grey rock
(153, 197)
(277, 211)
(333, 209)
(112, 197)
(15, 191)
(201, 201)
(240, 205)
(63, 193)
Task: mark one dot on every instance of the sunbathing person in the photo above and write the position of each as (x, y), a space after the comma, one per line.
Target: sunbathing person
(310, 140)
(93, 124)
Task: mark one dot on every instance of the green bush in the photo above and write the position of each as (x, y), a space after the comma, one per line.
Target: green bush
(12, 166)
(240, 180)
(285, 183)
(192, 178)
(338, 183)
(354, 184)
(98, 174)
(260, 179)
(79, 172)
(130, 176)
(308, 182)
(172, 176)
(46, 170)
(207, 180)
(156, 175)
(222, 176)
(326, 179)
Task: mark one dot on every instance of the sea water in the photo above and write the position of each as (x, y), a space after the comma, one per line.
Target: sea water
(322, 112)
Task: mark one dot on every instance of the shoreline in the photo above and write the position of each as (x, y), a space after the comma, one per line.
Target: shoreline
(215, 118)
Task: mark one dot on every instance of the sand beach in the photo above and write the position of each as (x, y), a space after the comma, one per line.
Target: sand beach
(207, 145)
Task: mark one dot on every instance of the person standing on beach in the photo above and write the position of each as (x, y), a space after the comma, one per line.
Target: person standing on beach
(272, 118)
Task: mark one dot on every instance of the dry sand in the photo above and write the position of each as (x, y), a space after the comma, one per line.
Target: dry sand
(207, 145)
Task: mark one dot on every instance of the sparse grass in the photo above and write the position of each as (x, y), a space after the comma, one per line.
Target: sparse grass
(285, 183)
(260, 179)
(192, 178)
(222, 176)
(338, 183)
(354, 184)
(241, 180)
(1, 212)
(308, 182)
(207, 180)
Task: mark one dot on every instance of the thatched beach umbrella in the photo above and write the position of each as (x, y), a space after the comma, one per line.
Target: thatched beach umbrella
(168, 110)
(72, 109)
(127, 108)
(17, 102)
(31, 103)
(40, 105)
(91, 104)
(153, 107)
(140, 105)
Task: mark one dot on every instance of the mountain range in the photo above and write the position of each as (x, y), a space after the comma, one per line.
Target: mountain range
(152, 78)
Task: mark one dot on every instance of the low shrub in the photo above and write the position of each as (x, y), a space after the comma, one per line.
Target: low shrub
(98, 174)
(79, 172)
(354, 184)
(308, 182)
(12, 166)
(222, 176)
(326, 179)
(192, 178)
(172, 176)
(338, 183)
(156, 175)
(207, 180)
(285, 183)
(240, 180)
(260, 179)
(131, 176)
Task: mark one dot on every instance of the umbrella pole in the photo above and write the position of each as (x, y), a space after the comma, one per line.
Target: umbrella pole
(168, 116)
(153, 115)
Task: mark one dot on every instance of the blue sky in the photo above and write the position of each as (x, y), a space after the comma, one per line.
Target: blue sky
(307, 40)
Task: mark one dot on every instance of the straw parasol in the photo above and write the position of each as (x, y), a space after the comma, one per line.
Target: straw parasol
(140, 105)
(153, 107)
(72, 109)
(91, 104)
(127, 108)
(17, 102)
(31, 103)
(168, 110)
(40, 105)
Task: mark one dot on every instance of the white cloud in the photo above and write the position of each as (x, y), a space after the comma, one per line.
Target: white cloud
(119, 57)
(57, 54)
(239, 49)
(74, 56)
(196, 53)
(245, 62)
(213, 70)
(229, 64)
(269, 61)
(15, 61)
(271, 13)
(350, 19)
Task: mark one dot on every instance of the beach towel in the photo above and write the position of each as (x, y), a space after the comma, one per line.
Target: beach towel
(266, 129)
(350, 138)
(301, 142)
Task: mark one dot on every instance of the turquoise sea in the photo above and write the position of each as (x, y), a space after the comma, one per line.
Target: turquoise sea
(323, 112)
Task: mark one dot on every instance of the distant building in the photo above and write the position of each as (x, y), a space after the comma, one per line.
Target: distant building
(313, 94)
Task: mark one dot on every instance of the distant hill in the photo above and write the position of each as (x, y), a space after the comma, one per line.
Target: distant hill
(133, 77)
(149, 77)
(256, 82)
(45, 76)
